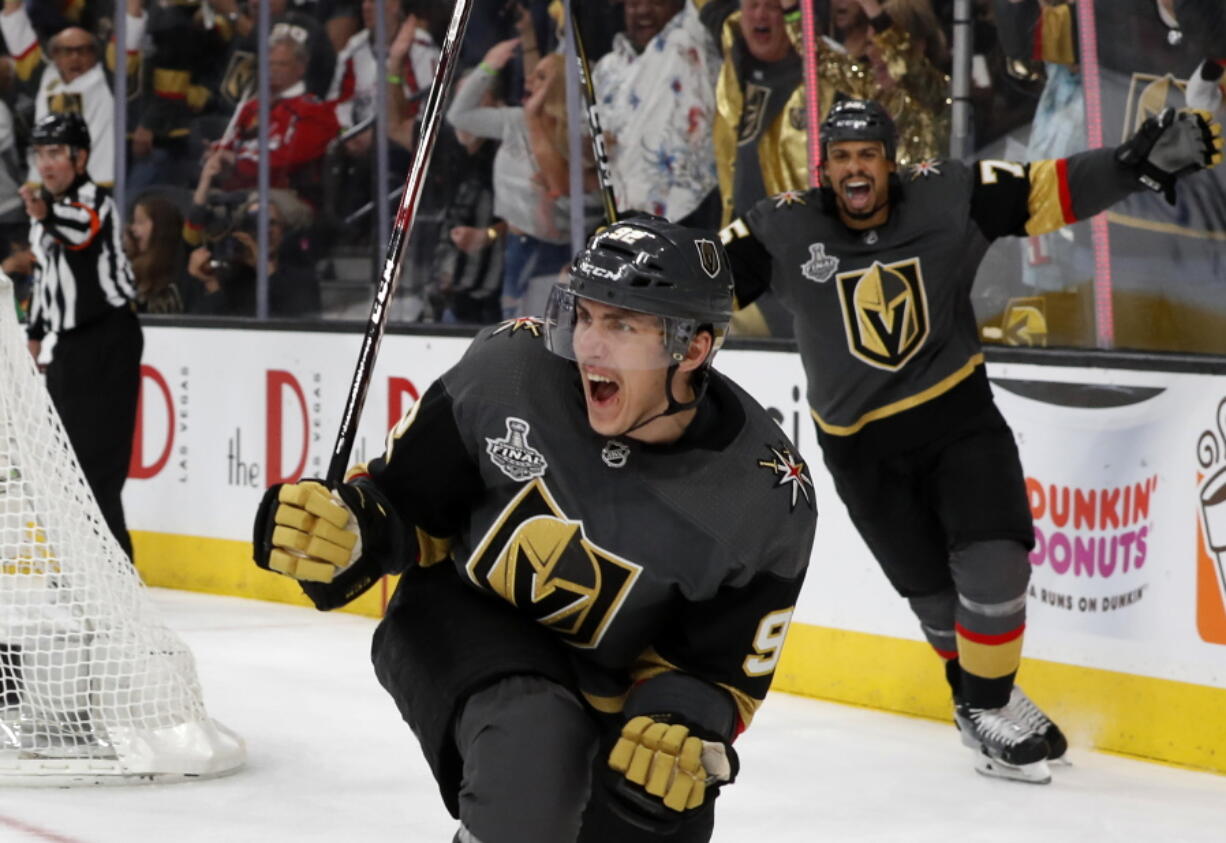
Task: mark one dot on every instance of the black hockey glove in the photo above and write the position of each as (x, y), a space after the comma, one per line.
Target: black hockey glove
(330, 541)
(1169, 145)
(666, 770)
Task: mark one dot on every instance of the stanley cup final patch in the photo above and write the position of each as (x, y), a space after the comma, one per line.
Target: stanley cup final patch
(820, 266)
(513, 455)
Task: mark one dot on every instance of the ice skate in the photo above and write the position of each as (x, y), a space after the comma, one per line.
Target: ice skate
(1024, 709)
(1005, 745)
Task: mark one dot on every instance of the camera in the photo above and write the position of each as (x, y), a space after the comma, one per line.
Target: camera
(229, 256)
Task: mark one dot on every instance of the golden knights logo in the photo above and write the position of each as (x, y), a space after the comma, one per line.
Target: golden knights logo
(790, 472)
(1025, 322)
(925, 168)
(885, 312)
(542, 563)
(708, 257)
(65, 103)
(239, 79)
(753, 113)
(788, 198)
(531, 324)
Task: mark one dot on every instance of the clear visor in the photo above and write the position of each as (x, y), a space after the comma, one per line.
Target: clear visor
(594, 333)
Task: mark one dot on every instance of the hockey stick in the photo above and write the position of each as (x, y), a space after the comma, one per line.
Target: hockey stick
(432, 115)
(593, 120)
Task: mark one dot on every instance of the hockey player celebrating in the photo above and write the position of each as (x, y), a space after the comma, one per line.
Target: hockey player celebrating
(876, 269)
(601, 540)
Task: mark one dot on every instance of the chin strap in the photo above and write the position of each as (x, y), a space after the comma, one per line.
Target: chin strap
(674, 406)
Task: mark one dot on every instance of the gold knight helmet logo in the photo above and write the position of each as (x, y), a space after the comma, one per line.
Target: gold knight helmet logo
(708, 257)
(541, 562)
(885, 312)
(240, 77)
(65, 103)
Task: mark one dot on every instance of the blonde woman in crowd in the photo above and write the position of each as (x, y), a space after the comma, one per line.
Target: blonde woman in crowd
(531, 168)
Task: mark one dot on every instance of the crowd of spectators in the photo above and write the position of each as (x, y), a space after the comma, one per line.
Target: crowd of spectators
(193, 131)
(702, 105)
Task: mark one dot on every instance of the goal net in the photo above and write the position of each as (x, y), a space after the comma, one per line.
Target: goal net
(93, 687)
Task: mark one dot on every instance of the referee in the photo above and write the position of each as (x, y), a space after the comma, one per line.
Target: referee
(83, 293)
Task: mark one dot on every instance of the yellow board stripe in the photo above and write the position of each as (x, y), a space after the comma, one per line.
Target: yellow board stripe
(1157, 719)
(221, 566)
(940, 388)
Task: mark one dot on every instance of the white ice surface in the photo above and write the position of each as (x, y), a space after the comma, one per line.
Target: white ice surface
(329, 760)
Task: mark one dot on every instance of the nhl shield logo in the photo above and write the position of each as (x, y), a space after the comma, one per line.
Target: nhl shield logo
(615, 454)
(885, 312)
(820, 266)
(513, 455)
(708, 257)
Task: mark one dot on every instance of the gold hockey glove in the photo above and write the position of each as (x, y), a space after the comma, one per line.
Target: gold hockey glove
(1169, 145)
(668, 762)
(337, 543)
(315, 536)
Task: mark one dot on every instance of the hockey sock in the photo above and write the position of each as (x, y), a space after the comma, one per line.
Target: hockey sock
(953, 675)
(936, 617)
(990, 619)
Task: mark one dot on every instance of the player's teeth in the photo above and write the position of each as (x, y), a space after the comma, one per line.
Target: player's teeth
(599, 379)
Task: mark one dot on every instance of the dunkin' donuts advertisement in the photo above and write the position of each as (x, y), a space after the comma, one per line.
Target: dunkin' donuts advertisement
(1211, 530)
(1095, 483)
(1126, 480)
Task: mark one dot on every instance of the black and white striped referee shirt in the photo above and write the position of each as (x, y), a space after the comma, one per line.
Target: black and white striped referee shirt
(81, 270)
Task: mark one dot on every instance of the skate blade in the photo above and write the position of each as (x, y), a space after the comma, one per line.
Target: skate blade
(1036, 773)
(1062, 761)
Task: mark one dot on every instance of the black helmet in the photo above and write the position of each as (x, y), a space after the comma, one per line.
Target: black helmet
(859, 120)
(650, 265)
(69, 129)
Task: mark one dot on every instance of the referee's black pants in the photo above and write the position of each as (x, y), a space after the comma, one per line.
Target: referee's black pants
(94, 381)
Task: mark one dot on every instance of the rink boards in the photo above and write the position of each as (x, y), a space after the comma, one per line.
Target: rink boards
(1126, 474)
